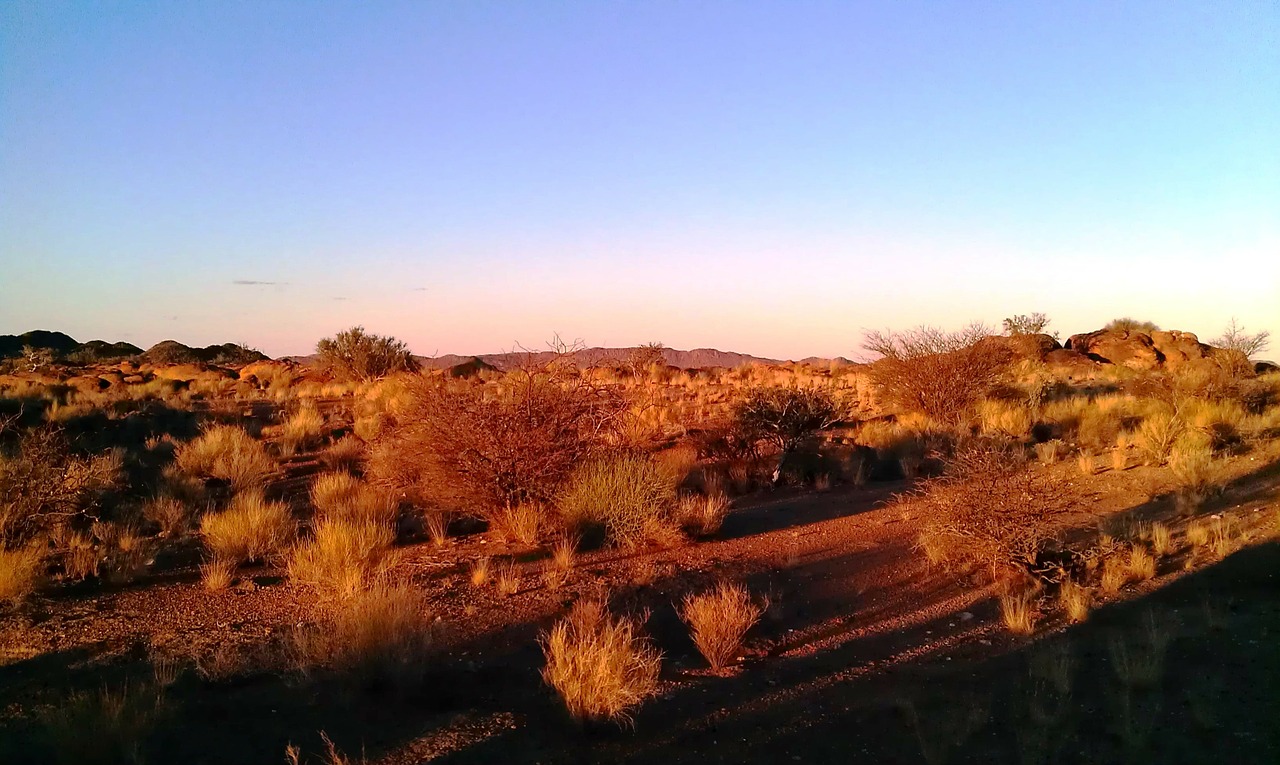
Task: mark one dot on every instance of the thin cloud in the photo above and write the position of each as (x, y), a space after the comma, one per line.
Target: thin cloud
(418, 289)
(339, 298)
(256, 283)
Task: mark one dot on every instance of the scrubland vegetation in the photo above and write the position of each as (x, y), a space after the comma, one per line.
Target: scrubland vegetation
(378, 527)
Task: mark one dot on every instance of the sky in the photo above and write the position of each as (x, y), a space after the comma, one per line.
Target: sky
(764, 177)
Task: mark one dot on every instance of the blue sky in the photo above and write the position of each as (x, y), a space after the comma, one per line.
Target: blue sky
(764, 177)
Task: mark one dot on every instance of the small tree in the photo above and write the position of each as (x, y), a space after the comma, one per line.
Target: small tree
(1026, 324)
(642, 358)
(784, 416)
(922, 341)
(354, 354)
(35, 359)
(1235, 338)
(1130, 324)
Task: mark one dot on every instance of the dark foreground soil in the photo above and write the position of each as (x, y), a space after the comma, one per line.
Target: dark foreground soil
(866, 653)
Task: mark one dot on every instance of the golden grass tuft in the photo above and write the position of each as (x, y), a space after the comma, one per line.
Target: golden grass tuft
(564, 552)
(1199, 533)
(1141, 564)
(342, 496)
(217, 574)
(437, 525)
(1115, 574)
(250, 529)
(381, 638)
(342, 557)
(599, 663)
(227, 453)
(718, 621)
(1075, 600)
(344, 454)
(20, 571)
(1156, 436)
(506, 579)
(481, 569)
(518, 524)
(702, 515)
(1018, 610)
(302, 430)
(1161, 540)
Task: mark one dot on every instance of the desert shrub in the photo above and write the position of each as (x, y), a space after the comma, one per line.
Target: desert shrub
(1026, 324)
(922, 340)
(461, 445)
(249, 529)
(1235, 338)
(344, 454)
(627, 494)
(988, 507)
(784, 416)
(599, 664)
(718, 621)
(227, 453)
(354, 354)
(342, 557)
(1192, 465)
(342, 495)
(302, 430)
(20, 570)
(944, 386)
(1157, 434)
(1132, 325)
(43, 486)
(381, 639)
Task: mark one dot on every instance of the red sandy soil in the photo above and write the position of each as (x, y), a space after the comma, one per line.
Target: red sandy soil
(865, 651)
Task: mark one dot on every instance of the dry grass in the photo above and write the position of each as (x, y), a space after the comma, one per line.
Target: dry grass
(1075, 600)
(628, 494)
(1161, 540)
(702, 515)
(227, 453)
(1003, 418)
(344, 454)
(437, 525)
(171, 514)
(217, 574)
(718, 621)
(506, 579)
(20, 571)
(1192, 465)
(343, 557)
(250, 529)
(599, 664)
(109, 727)
(342, 496)
(381, 638)
(1115, 575)
(1018, 610)
(564, 552)
(1050, 452)
(330, 756)
(481, 570)
(1086, 463)
(1199, 533)
(303, 430)
(1141, 564)
(518, 524)
(1156, 436)
(1119, 459)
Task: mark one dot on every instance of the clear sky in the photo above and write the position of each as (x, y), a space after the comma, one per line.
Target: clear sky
(762, 177)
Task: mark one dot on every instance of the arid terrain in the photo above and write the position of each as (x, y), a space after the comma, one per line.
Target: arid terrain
(978, 548)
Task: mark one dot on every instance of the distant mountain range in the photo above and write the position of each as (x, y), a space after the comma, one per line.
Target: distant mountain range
(173, 352)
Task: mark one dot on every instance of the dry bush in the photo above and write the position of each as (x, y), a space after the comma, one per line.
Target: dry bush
(627, 494)
(702, 515)
(785, 417)
(678, 462)
(923, 340)
(354, 354)
(945, 386)
(519, 524)
(380, 638)
(43, 486)
(599, 664)
(990, 508)
(1018, 610)
(465, 446)
(1191, 463)
(20, 571)
(1157, 434)
(342, 557)
(718, 621)
(227, 453)
(250, 529)
(342, 496)
(173, 516)
(481, 569)
(303, 430)
(344, 454)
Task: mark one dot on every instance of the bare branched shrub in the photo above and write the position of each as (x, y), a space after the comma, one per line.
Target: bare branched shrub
(990, 508)
(227, 453)
(628, 494)
(464, 446)
(718, 621)
(1235, 338)
(250, 529)
(599, 664)
(1026, 324)
(44, 486)
(922, 340)
(945, 386)
(354, 354)
(381, 639)
(1132, 325)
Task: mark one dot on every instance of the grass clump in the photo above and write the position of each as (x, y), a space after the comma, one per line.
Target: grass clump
(345, 497)
(20, 571)
(227, 453)
(381, 639)
(520, 523)
(719, 620)
(702, 515)
(343, 557)
(1074, 599)
(1018, 610)
(107, 727)
(250, 529)
(629, 495)
(599, 664)
(302, 430)
(344, 454)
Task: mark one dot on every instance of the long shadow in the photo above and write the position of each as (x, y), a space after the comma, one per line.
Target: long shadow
(791, 508)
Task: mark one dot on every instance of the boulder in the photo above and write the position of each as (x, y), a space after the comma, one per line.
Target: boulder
(1179, 348)
(1132, 349)
(1065, 357)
